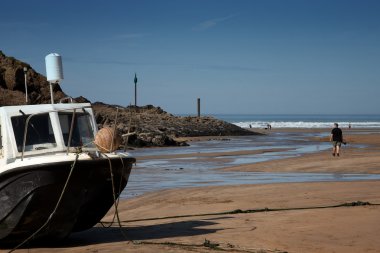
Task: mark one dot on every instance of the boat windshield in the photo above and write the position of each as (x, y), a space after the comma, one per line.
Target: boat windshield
(40, 133)
(82, 133)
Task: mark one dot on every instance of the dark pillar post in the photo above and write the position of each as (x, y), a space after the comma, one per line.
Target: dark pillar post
(199, 107)
(135, 80)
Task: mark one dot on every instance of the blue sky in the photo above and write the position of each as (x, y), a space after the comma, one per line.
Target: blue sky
(238, 56)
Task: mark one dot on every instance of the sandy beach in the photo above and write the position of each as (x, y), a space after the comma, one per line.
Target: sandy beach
(283, 217)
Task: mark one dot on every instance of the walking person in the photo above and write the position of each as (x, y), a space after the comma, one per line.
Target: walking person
(336, 138)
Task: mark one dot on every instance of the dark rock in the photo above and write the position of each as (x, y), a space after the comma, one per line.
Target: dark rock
(155, 127)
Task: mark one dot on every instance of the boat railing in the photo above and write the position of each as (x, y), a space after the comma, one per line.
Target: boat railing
(70, 132)
(49, 111)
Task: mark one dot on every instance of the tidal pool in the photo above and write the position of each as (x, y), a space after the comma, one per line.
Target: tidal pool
(158, 174)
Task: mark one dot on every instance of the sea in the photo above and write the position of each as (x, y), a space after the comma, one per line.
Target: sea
(160, 173)
(301, 120)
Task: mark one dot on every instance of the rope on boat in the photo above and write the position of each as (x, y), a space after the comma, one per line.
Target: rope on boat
(116, 200)
(55, 208)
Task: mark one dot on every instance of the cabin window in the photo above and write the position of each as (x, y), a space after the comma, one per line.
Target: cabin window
(82, 133)
(40, 133)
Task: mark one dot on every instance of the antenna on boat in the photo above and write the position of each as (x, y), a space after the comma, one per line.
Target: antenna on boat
(54, 71)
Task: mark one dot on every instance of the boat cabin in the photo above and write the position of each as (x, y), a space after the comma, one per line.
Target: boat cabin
(32, 130)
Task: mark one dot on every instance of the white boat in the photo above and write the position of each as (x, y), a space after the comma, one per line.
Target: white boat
(53, 179)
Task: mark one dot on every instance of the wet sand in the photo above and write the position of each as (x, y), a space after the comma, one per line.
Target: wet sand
(351, 160)
(300, 217)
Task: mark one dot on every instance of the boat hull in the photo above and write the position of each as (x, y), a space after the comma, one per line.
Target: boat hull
(29, 196)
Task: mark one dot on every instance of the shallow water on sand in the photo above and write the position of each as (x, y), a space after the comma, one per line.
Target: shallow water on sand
(157, 174)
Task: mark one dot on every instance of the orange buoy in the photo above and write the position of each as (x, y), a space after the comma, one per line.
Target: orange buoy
(106, 140)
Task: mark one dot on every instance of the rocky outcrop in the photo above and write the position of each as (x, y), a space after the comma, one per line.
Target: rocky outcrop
(152, 126)
(147, 125)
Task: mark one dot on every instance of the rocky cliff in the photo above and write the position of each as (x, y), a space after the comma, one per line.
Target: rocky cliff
(147, 125)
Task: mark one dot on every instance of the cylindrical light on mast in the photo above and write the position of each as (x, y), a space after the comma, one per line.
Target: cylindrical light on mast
(54, 71)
